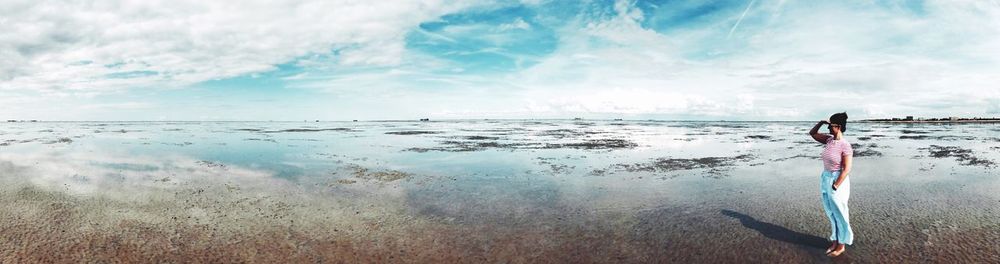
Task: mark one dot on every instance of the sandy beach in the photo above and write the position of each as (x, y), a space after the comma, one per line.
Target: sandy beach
(475, 191)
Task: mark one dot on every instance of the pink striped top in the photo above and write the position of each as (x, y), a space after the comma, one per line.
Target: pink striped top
(833, 153)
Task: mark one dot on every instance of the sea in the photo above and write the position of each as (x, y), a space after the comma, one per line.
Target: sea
(490, 191)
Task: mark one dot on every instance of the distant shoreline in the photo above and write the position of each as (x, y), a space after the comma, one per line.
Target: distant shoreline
(935, 121)
(983, 121)
(410, 120)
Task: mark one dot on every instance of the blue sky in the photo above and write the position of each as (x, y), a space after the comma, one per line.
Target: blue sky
(343, 60)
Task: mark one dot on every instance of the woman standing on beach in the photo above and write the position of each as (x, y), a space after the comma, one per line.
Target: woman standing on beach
(835, 187)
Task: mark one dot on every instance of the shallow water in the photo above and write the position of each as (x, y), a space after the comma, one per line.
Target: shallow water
(489, 190)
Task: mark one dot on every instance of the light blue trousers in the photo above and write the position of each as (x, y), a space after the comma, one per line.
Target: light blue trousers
(835, 206)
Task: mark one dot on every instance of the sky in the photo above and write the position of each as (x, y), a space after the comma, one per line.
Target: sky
(472, 59)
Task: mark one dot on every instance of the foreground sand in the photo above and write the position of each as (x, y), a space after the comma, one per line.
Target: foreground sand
(227, 223)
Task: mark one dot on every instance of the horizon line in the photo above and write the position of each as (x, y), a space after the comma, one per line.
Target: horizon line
(406, 120)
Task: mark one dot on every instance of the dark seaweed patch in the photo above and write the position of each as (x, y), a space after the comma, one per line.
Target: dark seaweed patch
(728, 126)
(479, 138)
(413, 132)
(555, 168)
(464, 146)
(477, 145)
(422, 150)
(946, 138)
(345, 181)
(807, 142)
(211, 164)
(865, 150)
(716, 166)
(312, 130)
(495, 129)
(596, 144)
(383, 176)
(568, 133)
(954, 138)
(561, 133)
(964, 156)
(60, 140)
(907, 131)
(796, 156)
(535, 123)
(867, 153)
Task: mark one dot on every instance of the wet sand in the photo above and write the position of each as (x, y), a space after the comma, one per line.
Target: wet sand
(738, 193)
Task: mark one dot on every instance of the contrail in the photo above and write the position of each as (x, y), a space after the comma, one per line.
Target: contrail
(731, 30)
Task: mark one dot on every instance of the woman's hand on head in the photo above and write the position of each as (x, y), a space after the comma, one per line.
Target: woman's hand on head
(824, 121)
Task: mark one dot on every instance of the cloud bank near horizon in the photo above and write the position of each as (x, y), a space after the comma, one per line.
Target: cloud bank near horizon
(342, 60)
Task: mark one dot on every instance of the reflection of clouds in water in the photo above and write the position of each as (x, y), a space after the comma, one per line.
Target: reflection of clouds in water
(746, 145)
(88, 173)
(670, 141)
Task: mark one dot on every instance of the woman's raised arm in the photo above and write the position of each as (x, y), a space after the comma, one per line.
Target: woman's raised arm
(819, 137)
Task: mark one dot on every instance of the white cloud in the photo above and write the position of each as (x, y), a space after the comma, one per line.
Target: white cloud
(517, 24)
(118, 106)
(811, 60)
(71, 45)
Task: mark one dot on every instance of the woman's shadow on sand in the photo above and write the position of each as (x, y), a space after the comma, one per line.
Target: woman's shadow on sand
(777, 232)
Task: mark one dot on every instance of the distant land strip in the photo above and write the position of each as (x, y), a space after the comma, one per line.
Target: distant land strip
(910, 119)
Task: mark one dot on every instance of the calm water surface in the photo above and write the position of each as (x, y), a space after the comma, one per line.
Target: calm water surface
(489, 190)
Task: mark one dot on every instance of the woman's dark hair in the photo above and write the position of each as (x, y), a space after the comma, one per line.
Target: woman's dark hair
(840, 119)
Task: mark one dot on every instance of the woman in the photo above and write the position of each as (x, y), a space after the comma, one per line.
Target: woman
(835, 186)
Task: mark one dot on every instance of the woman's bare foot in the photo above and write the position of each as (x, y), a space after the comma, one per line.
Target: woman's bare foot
(840, 250)
(832, 247)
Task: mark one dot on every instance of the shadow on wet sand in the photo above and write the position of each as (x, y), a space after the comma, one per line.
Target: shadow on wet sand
(777, 232)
